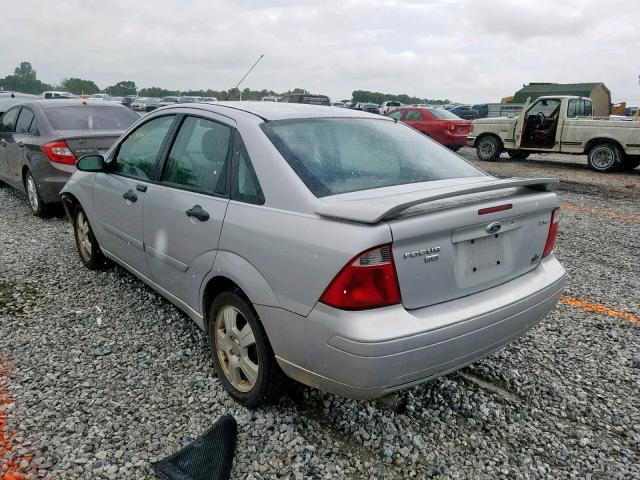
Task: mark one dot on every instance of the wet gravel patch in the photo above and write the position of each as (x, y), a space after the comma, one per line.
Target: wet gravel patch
(107, 376)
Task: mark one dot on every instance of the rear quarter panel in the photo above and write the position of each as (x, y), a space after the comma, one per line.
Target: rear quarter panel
(501, 127)
(297, 254)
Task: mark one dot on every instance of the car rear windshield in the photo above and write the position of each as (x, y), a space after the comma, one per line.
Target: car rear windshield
(340, 155)
(87, 117)
(314, 99)
(443, 114)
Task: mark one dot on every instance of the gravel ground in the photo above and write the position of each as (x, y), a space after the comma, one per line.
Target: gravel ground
(106, 376)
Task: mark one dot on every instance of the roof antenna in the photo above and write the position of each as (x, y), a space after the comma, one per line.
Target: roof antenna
(245, 76)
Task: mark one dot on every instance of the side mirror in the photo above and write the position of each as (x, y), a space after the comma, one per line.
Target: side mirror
(91, 163)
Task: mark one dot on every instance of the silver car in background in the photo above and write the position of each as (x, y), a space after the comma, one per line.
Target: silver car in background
(341, 248)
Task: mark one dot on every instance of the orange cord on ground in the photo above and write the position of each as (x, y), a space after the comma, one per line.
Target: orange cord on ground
(12, 465)
(603, 213)
(601, 309)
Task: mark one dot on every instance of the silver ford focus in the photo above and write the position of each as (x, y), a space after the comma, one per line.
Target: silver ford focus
(342, 249)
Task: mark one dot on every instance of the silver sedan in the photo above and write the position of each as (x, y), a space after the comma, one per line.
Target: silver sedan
(335, 247)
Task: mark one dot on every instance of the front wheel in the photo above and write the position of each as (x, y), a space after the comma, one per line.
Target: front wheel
(88, 248)
(489, 149)
(241, 352)
(604, 157)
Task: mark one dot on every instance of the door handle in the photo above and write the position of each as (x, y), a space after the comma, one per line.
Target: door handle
(141, 188)
(132, 197)
(198, 212)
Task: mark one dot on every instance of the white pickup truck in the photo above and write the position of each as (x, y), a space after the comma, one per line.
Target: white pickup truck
(561, 124)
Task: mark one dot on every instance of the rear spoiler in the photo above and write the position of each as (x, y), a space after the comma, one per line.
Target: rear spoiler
(376, 209)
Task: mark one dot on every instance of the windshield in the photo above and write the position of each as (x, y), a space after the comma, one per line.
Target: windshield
(340, 155)
(442, 113)
(87, 117)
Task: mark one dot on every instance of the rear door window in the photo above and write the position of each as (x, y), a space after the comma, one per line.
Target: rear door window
(137, 155)
(9, 121)
(25, 120)
(396, 114)
(198, 156)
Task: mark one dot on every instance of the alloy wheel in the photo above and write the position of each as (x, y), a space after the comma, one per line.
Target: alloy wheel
(32, 193)
(84, 241)
(236, 348)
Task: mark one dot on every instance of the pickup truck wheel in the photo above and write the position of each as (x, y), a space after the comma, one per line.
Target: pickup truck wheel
(604, 157)
(489, 149)
(629, 162)
(241, 352)
(518, 154)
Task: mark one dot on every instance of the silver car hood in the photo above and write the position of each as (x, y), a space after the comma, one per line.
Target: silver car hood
(367, 207)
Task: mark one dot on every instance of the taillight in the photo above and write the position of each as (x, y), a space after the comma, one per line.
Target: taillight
(553, 233)
(58, 152)
(367, 281)
(452, 127)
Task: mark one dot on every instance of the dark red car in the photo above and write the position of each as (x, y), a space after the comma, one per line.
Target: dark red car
(436, 122)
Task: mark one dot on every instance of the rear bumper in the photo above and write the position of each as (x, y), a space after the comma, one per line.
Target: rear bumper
(50, 180)
(368, 354)
(471, 140)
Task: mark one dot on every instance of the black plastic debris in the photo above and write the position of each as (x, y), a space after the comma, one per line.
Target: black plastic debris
(209, 457)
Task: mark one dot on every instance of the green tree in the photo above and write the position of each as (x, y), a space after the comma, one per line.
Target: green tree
(24, 79)
(122, 88)
(378, 98)
(80, 86)
(156, 92)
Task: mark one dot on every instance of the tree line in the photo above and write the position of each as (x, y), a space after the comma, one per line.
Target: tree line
(24, 79)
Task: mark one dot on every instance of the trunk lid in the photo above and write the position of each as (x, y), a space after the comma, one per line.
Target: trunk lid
(83, 142)
(444, 248)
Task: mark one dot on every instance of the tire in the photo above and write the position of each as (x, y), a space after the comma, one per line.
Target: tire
(489, 148)
(518, 154)
(455, 148)
(629, 162)
(38, 207)
(604, 157)
(248, 371)
(88, 248)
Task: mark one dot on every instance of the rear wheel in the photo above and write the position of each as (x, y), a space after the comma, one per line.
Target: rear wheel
(88, 247)
(241, 352)
(38, 207)
(455, 148)
(489, 148)
(629, 162)
(518, 154)
(604, 157)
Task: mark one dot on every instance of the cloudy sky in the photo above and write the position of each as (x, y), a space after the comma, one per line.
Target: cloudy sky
(465, 50)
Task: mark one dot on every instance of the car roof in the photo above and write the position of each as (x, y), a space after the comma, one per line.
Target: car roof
(284, 111)
(74, 102)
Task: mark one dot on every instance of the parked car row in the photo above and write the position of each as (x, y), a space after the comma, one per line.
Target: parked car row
(367, 291)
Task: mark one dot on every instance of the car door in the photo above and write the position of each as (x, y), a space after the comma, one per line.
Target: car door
(7, 129)
(18, 148)
(413, 118)
(119, 194)
(183, 213)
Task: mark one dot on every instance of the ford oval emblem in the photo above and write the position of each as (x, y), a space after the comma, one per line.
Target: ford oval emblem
(493, 227)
